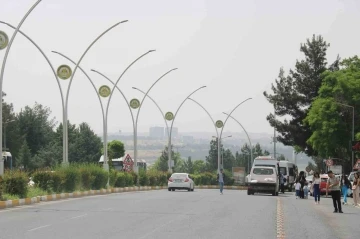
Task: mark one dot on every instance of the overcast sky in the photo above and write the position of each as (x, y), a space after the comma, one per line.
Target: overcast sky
(234, 47)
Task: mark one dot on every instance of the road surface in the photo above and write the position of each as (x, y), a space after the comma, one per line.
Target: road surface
(180, 214)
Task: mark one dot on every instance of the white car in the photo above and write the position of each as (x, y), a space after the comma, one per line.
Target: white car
(180, 181)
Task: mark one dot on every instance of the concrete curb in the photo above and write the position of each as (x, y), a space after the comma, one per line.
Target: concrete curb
(62, 196)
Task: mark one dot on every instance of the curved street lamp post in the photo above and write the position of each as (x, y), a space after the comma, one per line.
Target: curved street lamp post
(170, 117)
(134, 104)
(247, 135)
(64, 77)
(221, 125)
(4, 43)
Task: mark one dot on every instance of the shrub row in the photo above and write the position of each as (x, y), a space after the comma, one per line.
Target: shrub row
(90, 177)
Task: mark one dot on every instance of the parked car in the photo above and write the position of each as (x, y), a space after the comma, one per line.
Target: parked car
(180, 181)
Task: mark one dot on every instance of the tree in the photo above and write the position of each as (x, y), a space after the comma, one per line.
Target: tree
(116, 149)
(293, 94)
(199, 166)
(228, 160)
(25, 157)
(36, 126)
(212, 158)
(281, 157)
(161, 163)
(331, 122)
(89, 145)
(189, 166)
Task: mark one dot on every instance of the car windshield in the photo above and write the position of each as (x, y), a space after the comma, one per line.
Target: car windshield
(178, 175)
(263, 171)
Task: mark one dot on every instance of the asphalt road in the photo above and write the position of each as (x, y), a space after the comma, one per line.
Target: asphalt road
(180, 214)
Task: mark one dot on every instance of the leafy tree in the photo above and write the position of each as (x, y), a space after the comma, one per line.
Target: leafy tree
(189, 166)
(199, 166)
(293, 94)
(228, 159)
(161, 163)
(212, 158)
(89, 145)
(312, 167)
(331, 122)
(25, 157)
(281, 157)
(36, 126)
(116, 149)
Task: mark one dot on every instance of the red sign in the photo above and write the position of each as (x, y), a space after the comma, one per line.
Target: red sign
(357, 164)
(329, 162)
(128, 163)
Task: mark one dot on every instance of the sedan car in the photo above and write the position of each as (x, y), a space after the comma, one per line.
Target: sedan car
(180, 181)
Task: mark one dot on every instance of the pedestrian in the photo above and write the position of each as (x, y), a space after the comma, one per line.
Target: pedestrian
(355, 188)
(302, 181)
(345, 186)
(221, 178)
(297, 189)
(282, 183)
(316, 187)
(306, 190)
(333, 184)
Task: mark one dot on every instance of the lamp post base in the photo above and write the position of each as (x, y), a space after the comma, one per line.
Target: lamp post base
(65, 164)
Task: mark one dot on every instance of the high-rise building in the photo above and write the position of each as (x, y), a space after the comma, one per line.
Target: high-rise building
(157, 132)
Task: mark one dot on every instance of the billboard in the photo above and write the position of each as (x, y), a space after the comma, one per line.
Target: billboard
(337, 169)
(239, 175)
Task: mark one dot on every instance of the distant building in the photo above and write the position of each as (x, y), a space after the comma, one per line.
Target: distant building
(157, 132)
(174, 133)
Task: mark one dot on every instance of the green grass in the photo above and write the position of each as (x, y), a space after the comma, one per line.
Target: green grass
(35, 191)
(7, 196)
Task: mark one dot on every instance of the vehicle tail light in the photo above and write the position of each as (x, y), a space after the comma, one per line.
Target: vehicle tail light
(170, 179)
(186, 180)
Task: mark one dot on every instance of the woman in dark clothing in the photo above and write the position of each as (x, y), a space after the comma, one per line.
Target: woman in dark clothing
(345, 185)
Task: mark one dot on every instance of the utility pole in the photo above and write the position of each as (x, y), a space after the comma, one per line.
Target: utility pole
(274, 140)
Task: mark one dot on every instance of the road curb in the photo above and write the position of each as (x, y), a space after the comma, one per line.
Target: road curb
(62, 196)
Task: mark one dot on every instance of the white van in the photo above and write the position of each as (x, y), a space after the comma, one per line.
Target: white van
(266, 161)
(263, 179)
(288, 170)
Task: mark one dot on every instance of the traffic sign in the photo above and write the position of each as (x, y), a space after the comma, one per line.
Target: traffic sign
(329, 162)
(219, 124)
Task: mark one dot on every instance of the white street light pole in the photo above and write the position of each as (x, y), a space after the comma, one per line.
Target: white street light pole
(222, 128)
(5, 123)
(106, 165)
(137, 116)
(172, 123)
(251, 149)
(3, 71)
(65, 126)
(353, 131)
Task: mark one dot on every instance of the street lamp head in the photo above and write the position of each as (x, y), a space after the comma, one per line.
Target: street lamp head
(93, 70)
(134, 88)
(203, 86)
(152, 50)
(123, 21)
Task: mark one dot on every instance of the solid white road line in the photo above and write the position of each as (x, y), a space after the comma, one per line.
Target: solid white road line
(37, 228)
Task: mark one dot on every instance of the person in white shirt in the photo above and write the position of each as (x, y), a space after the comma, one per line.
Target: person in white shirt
(316, 187)
(297, 189)
(306, 190)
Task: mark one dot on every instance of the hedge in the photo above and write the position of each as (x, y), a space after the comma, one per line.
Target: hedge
(77, 177)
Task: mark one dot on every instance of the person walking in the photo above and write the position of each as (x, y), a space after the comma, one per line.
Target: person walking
(345, 185)
(355, 188)
(221, 179)
(282, 183)
(316, 187)
(334, 185)
(297, 189)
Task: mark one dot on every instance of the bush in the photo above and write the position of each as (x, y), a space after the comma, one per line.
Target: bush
(15, 182)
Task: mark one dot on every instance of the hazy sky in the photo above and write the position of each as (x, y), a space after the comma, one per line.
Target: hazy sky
(234, 47)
